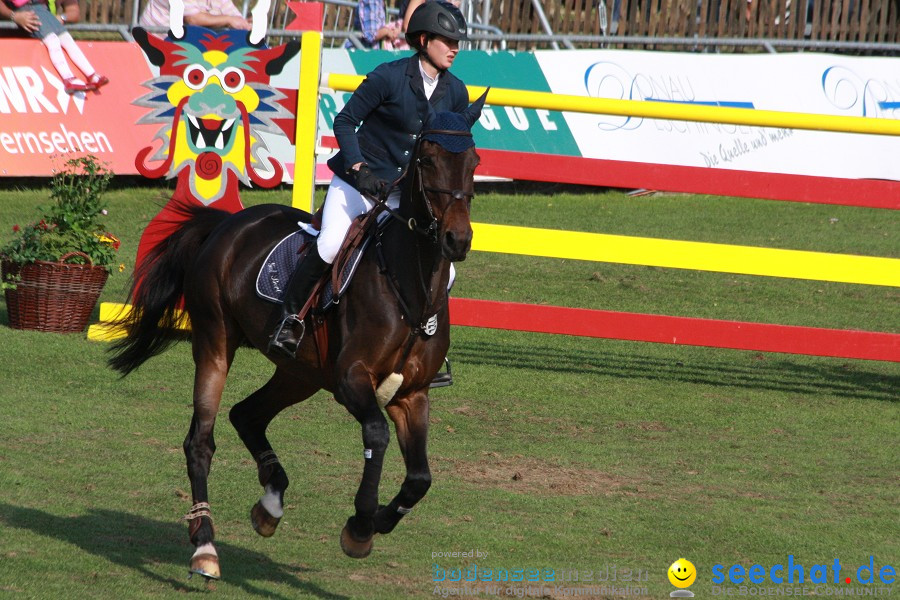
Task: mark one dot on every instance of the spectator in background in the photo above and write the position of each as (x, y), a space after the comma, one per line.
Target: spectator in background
(34, 17)
(371, 21)
(400, 43)
(214, 14)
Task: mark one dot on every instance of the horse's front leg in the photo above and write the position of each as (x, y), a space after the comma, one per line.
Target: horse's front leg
(357, 394)
(410, 417)
(199, 447)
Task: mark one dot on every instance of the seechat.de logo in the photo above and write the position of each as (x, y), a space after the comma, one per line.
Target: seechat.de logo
(794, 572)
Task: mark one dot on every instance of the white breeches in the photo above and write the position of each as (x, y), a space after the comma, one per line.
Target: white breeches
(343, 203)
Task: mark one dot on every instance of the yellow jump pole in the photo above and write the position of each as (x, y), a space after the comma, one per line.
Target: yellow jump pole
(663, 110)
(701, 256)
(307, 121)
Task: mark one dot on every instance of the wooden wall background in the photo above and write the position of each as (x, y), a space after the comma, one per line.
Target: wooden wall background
(876, 21)
(832, 20)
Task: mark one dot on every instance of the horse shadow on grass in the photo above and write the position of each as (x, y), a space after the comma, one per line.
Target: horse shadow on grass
(776, 372)
(132, 541)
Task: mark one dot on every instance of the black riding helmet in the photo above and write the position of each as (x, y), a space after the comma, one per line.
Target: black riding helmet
(438, 18)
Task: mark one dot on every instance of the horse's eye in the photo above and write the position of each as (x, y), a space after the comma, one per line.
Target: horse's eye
(426, 161)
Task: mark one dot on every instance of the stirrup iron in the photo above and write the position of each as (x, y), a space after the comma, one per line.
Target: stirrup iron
(443, 379)
(278, 344)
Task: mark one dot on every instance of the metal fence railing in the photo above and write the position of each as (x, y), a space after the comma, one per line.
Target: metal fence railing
(851, 26)
(835, 24)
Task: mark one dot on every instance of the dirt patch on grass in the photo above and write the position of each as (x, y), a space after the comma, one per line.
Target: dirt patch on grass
(384, 578)
(530, 475)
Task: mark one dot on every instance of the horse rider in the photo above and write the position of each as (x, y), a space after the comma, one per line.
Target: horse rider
(392, 104)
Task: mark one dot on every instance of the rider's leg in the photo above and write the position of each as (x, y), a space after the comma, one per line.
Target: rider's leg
(311, 268)
(342, 204)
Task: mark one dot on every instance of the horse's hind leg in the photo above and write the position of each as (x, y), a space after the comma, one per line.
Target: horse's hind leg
(250, 418)
(212, 361)
(410, 417)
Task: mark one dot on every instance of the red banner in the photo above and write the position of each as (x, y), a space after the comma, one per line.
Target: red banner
(41, 125)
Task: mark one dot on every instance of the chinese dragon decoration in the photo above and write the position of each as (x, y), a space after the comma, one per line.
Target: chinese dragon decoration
(212, 99)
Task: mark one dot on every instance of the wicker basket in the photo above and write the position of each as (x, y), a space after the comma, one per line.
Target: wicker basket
(53, 296)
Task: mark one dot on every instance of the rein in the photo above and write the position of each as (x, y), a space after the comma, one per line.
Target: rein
(429, 232)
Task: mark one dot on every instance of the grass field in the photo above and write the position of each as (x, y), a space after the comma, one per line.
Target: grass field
(584, 456)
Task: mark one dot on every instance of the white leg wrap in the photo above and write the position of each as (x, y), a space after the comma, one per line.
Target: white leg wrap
(272, 503)
(387, 389)
(206, 549)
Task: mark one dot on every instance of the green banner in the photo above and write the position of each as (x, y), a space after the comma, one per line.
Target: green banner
(501, 127)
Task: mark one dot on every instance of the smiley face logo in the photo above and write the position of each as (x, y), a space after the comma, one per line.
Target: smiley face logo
(682, 573)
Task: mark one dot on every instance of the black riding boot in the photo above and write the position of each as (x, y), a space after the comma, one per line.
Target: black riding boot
(286, 339)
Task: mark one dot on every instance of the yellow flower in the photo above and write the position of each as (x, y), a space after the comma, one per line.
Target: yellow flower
(121, 267)
(108, 238)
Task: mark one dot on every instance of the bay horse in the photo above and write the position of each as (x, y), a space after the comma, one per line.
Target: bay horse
(389, 334)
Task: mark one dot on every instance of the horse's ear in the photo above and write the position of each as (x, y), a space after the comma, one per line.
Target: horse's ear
(473, 112)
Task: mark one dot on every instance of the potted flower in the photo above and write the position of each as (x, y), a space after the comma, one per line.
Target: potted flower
(55, 267)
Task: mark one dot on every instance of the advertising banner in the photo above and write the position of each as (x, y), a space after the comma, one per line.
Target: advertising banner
(805, 83)
(500, 128)
(40, 125)
(38, 120)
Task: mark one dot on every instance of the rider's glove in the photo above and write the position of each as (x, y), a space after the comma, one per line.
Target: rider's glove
(367, 183)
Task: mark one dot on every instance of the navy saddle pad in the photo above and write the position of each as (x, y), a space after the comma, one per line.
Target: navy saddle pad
(282, 260)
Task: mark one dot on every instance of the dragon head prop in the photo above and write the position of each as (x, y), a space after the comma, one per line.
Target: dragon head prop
(213, 98)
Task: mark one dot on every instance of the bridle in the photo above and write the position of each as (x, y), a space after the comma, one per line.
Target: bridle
(431, 230)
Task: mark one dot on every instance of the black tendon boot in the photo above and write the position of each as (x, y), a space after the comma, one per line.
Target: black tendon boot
(290, 329)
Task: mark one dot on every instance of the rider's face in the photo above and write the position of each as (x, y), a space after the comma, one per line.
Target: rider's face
(441, 51)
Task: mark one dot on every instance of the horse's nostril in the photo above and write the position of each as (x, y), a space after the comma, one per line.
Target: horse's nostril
(449, 239)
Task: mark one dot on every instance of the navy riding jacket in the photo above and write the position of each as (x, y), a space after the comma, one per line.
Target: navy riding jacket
(391, 105)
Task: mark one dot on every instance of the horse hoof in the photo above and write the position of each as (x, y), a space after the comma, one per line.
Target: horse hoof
(354, 548)
(263, 523)
(206, 565)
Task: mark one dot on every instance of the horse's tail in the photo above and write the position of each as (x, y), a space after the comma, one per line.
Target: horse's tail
(157, 289)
